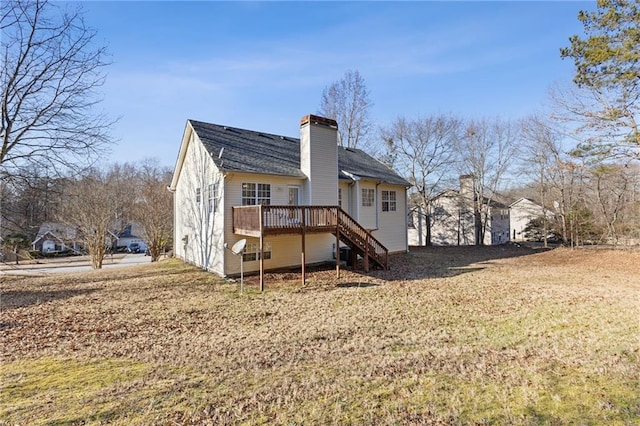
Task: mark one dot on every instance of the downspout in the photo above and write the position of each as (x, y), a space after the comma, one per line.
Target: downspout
(406, 220)
(378, 203)
(173, 191)
(355, 213)
(224, 226)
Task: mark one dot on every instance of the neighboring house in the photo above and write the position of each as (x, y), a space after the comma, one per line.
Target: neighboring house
(523, 211)
(131, 234)
(55, 237)
(291, 199)
(454, 220)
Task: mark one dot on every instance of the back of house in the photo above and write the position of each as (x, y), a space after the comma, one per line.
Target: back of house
(284, 195)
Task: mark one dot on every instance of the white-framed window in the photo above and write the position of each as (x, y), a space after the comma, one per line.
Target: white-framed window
(252, 252)
(213, 197)
(256, 193)
(198, 195)
(368, 197)
(389, 201)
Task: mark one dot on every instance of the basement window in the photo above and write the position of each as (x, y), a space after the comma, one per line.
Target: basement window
(252, 252)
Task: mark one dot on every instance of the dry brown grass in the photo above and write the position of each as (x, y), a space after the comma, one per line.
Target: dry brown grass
(448, 336)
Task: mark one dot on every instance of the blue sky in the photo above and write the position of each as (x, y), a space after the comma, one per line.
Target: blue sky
(263, 65)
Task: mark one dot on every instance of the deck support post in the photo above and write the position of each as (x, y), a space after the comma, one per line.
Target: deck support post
(338, 242)
(366, 254)
(304, 248)
(261, 248)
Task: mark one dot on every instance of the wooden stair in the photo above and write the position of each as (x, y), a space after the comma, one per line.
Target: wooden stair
(257, 221)
(361, 242)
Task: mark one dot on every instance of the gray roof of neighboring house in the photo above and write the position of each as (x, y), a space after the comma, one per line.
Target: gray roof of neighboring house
(130, 231)
(258, 152)
(456, 193)
(58, 229)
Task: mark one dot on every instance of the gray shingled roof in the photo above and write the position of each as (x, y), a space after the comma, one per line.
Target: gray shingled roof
(258, 152)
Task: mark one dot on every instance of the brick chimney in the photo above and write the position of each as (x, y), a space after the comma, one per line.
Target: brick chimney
(319, 159)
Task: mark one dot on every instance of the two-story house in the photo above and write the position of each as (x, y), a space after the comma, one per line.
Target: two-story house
(455, 219)
(295, 201)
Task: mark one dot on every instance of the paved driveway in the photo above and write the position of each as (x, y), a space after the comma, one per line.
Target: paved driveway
(74, 264)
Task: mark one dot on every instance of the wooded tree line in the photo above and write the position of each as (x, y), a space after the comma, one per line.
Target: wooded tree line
(96, 207)
(585, 198)
(587, 186)
(579, 160)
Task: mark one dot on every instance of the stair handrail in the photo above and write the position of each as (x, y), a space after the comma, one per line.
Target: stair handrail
(381, 253)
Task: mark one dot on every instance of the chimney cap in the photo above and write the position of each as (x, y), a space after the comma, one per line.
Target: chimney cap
(316, 119)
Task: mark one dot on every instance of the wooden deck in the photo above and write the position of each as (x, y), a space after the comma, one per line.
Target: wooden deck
(253, 221)
(260, 221)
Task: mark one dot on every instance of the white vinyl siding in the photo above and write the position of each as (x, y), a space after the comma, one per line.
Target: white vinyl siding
(198, 231)
(284, 252)
(232, 196)
(319, 162)
(391, 222)
(345, 192)
(368, 211)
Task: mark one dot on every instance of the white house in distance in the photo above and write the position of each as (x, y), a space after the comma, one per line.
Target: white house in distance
(455, 221)
(131, 234)
(295, 201)
(55, 237)
(523, 211)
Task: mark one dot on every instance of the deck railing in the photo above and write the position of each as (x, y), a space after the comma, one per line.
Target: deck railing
(260, 220)
(283, 219)
(350, 228)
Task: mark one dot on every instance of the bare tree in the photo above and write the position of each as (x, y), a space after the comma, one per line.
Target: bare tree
(605, 122)
(422, 150)
(485, 151)
(540, 153)
(50, 74)
(97, 207)
(347, 101)
(611, 186)
(15, 242)
(154, 207)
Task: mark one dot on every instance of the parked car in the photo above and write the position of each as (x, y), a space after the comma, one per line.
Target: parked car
(134, 248)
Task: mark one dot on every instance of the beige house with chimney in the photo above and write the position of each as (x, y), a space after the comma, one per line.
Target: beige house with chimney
(455, 220)
(295, 201)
